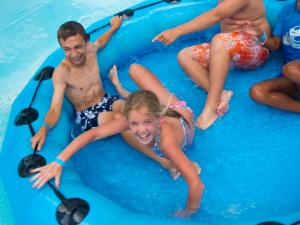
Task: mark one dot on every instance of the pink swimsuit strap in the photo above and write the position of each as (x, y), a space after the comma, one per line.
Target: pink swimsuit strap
(178, 105)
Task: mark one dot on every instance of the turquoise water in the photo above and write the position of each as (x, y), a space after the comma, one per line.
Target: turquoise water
(28, 36)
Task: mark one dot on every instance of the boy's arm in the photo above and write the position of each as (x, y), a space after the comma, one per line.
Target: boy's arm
(272, 43)
(225, 9)
(54, 112)
(115, 23)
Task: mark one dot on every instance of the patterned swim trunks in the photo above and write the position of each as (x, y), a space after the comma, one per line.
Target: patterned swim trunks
(88, 118)
(245, 50)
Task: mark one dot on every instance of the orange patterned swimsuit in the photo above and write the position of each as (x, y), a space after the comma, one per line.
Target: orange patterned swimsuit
(245, 50)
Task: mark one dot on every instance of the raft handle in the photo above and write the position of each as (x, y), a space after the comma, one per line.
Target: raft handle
(72, 210)
(130, 12)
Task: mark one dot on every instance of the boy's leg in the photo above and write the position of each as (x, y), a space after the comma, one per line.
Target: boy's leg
(194, 60)
(291, 70)
(279, 93)
(218, 69)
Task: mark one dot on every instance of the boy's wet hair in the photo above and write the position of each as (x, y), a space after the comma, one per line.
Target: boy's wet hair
(70, 29)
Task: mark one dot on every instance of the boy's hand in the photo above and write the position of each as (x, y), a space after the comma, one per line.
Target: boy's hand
(167, 37)
(39, 138)
(116, 22)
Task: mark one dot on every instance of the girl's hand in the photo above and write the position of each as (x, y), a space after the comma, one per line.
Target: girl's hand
(174, 172)
(46, 173)
(166, 163)
(184, 213)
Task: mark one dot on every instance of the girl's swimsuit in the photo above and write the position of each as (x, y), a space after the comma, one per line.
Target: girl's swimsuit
(187, 139)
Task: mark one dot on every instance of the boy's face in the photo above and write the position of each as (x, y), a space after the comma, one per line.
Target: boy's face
(298, 5)
(75, 49)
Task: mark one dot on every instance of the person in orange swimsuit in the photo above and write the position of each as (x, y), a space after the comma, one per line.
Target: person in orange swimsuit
(208, 64)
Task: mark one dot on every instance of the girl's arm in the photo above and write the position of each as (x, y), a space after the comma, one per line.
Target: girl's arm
(171, 147)
(54, 169)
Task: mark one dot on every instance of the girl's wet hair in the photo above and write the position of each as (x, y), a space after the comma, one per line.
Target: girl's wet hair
(70, 29)
(141, 98)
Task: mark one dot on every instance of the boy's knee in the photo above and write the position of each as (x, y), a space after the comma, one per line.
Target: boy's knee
(218, 43)
(183, 55)
(257, 92)
(218, 39)
(289, 70)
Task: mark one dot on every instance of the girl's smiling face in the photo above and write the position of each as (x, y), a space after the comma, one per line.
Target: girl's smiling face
(144, 126)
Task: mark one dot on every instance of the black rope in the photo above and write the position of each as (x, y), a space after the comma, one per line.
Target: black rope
(146, 6)
(62, 198)
(36, 90)
(133, 10)
(32, 134)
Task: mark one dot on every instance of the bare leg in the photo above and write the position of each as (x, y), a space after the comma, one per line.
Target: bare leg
(219, 66)
(113, 76)
(279, 93)
(187, 59)
(223, 106)
(146, 80)
(292, 71)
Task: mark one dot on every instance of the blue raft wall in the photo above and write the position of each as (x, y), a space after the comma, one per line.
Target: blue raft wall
(35, 207)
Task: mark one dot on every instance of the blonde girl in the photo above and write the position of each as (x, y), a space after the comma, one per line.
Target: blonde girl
(157, 119)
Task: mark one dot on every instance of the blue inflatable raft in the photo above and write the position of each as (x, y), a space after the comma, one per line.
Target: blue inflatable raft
(249, 159)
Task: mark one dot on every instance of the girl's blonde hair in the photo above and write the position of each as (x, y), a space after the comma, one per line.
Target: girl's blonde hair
(141, 98)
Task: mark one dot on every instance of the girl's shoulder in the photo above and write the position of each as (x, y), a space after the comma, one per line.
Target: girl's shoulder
(169, 126)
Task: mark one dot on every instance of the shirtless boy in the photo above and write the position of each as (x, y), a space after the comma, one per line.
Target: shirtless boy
(208, 64)
(78, 77)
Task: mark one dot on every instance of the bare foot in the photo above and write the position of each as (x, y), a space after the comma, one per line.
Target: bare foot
(223, 106)
(113, 76)
(206, 119)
